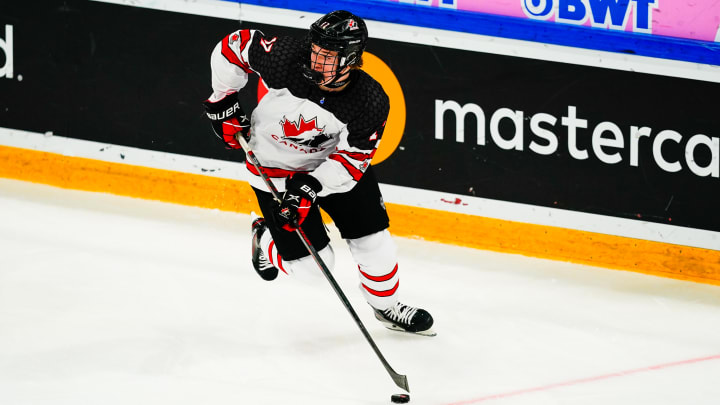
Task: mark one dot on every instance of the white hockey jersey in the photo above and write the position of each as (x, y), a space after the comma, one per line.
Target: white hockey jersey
(296, 127)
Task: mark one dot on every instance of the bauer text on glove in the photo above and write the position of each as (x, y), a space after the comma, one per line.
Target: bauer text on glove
(300, 193)
(228, 120)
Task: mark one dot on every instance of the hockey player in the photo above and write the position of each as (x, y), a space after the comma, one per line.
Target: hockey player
(315, 132)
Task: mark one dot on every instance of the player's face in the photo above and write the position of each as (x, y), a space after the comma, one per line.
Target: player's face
(324, 61)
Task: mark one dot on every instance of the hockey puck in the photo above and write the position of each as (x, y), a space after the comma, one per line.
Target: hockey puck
(400, 398)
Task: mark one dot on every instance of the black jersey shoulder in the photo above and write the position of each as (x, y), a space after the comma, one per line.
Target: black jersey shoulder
(278, 61)
(364, 106)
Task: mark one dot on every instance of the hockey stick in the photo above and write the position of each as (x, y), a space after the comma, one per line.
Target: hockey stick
(399, 379)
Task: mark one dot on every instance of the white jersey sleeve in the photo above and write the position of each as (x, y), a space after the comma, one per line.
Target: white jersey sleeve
(344, 167)
(228, 63)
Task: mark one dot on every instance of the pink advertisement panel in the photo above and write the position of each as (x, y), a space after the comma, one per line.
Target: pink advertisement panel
(691, 19)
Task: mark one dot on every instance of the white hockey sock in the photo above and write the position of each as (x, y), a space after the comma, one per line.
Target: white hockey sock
(376, 257)
(306, 269)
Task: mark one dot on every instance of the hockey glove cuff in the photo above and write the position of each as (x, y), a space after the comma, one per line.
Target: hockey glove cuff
(228, 120)
(300, 193)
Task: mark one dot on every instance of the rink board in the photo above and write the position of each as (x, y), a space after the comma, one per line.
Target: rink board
(649, 257)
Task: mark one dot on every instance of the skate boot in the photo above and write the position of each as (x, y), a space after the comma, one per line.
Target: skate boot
(404, 318)
(259, 259)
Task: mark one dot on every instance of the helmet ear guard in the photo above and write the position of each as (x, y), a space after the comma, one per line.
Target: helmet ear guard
(339, 31)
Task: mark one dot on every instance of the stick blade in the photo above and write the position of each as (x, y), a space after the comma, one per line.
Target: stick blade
(401, 381)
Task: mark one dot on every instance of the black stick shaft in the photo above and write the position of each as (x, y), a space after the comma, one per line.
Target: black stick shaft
(399, 379)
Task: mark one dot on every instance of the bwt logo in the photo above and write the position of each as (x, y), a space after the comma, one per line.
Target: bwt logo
(613, 14)
(6, 45)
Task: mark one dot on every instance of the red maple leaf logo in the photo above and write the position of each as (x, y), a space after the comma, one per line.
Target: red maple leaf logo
(304, 132)
(294, 129)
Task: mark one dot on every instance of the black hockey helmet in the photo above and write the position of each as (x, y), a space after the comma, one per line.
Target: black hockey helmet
(339, 31)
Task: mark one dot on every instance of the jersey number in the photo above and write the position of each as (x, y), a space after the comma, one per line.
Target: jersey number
(268, 44)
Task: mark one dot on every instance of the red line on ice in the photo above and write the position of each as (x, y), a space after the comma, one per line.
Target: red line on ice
(585, 380)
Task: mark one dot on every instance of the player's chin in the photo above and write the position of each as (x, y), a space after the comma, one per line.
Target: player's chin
(327, 78)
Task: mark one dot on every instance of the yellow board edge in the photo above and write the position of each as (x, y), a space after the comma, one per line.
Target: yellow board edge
(614, 252)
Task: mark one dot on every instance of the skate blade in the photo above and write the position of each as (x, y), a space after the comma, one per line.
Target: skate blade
(429, 332)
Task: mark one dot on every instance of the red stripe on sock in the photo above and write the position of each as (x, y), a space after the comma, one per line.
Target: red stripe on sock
(386, 277)
(280, 265)
(277, 256)
(270, 253)
(386, 293)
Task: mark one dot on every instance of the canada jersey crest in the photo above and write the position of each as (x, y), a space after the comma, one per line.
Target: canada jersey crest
(304, 132)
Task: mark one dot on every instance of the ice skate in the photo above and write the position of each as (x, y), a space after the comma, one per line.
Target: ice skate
(404, 318)
(259, 259)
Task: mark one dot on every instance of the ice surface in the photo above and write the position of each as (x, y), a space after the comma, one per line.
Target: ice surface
(114, 300)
